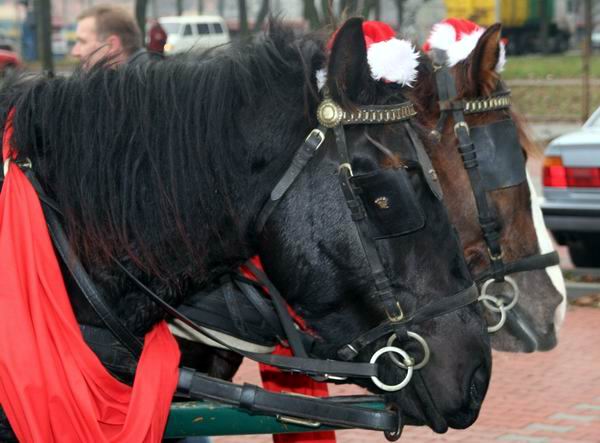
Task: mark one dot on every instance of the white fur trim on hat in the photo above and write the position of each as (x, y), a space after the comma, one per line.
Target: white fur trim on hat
(443, 36)
(393, 60)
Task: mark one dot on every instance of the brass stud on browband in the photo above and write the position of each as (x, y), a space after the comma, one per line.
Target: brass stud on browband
(329, 113)
(382, 202)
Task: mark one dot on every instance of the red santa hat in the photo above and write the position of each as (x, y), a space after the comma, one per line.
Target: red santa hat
(458, 37)
(390, 59)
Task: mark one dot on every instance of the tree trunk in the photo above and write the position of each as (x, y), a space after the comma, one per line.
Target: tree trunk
(243, 10)
(400, 6)
(140, 17)
(44, 35)
(311, 14)
(200, 7)
(352, 7)
(179, 7)
(265, 8)
(368, 6)
(328, 14)
(544, 41)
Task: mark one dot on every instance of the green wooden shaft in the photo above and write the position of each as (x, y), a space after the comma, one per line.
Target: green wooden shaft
(197, 418)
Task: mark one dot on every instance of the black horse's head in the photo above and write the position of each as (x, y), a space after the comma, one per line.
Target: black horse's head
(312, 248)
(168, 166)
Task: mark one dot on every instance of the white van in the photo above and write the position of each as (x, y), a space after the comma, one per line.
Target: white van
(194, 32)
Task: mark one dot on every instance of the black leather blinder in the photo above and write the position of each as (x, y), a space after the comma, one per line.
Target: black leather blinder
(390, 202)
(499, 154)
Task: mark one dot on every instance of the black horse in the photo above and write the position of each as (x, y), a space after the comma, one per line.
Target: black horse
(166, 167)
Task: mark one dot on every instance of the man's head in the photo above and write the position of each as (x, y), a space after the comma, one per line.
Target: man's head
(106, 31)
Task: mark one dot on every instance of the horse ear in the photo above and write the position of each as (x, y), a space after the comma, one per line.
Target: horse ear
(348, 73)
(484, 60)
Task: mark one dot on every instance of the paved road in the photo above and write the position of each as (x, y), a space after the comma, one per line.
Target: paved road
(551, 397)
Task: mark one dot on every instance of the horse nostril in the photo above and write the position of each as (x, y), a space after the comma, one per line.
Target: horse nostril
(478, 387)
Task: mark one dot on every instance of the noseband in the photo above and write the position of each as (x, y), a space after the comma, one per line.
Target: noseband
(507, 169)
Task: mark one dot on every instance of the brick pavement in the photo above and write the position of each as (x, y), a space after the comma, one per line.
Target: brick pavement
(551, 397)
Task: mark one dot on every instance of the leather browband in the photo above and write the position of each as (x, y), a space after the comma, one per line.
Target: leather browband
(487, 104)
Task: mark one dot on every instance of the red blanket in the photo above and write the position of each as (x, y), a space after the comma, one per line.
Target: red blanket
(52, 386)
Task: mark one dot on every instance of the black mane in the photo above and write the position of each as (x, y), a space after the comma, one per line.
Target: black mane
(140, 155)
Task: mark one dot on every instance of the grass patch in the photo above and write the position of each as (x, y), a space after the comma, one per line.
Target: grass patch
(551, 102)
(548, 67)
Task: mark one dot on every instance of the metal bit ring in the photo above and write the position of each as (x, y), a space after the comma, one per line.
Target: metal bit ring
(500, 308)
(509, 306)
(421, 340)
(407, 362)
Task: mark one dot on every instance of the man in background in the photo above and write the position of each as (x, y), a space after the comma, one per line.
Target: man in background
(107, 32)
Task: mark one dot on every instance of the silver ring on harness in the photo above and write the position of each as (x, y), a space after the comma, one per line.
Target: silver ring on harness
(421, 340)
(501, 308)
(407, 361)
(508, 307)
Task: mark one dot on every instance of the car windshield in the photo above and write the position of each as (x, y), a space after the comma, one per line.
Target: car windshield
(594, 120)
(171, 28)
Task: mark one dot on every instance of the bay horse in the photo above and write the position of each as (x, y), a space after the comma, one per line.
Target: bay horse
(533, 322)
(166, 167)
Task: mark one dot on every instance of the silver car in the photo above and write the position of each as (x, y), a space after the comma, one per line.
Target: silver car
(571, 204)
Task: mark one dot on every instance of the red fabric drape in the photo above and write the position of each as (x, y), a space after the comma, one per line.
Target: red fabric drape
(277, 381)
(52, 386)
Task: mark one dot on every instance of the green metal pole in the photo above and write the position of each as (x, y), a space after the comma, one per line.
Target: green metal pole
(188, 419)
(586, 54)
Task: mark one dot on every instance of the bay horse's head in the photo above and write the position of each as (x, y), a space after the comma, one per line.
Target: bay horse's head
(362, 239)
(480, 158)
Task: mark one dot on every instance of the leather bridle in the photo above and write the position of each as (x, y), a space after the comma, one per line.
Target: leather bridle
(450, 106)
(336, 411)
(332, 117)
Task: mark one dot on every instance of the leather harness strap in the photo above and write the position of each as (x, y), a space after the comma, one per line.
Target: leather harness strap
(91, 292)
(487, 216)
(337, 411)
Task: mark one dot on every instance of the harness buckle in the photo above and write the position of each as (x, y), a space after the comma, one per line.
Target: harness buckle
(496, 257)
(346, 166)
(395, 318)
(463, 125)
(298, 421)
(318, 133)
